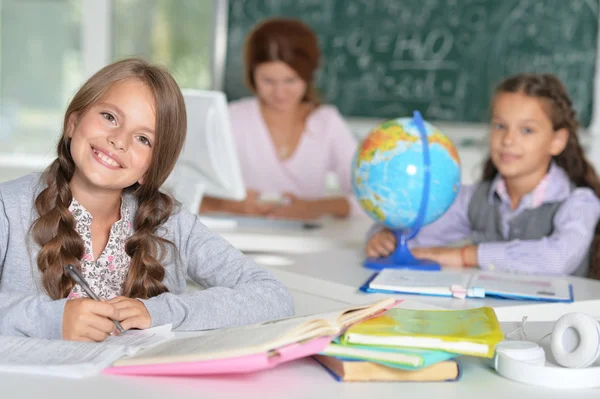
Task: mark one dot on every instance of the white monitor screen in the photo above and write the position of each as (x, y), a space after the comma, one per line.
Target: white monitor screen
(208, 164)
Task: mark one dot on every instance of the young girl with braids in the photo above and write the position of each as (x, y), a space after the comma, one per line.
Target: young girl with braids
(98, 206)
(537, 206)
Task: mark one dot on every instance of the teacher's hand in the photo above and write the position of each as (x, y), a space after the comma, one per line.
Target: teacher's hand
(296, 208)
(252, 205)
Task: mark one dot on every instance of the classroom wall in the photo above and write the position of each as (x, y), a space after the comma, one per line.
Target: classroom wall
(13, 166)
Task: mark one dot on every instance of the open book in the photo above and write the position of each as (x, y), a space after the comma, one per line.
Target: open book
(471, 285)
(248, 348)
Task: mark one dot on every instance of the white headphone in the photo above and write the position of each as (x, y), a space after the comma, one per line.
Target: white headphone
(575, 345)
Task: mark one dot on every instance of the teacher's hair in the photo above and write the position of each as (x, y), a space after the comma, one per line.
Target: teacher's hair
(286, 40)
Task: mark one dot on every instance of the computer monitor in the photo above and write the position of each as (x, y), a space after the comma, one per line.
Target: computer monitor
(208, 164)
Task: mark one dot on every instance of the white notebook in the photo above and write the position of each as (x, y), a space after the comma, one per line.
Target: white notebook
(72, 359)
(471, 285)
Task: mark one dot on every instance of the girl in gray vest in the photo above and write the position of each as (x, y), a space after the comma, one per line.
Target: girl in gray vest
(537, 206)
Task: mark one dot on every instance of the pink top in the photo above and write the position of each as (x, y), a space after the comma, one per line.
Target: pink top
(326, 145)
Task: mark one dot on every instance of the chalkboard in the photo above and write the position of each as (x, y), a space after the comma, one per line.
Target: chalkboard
(385, 58)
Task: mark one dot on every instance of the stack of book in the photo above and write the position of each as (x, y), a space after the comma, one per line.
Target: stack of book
(412, 345)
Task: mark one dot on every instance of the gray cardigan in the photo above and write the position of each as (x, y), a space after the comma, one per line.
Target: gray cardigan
(234, 291)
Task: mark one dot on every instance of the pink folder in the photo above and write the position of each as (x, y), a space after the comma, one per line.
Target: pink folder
(233, 365)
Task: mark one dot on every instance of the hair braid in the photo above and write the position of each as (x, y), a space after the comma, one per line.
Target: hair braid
(55, 231)
(146, 247)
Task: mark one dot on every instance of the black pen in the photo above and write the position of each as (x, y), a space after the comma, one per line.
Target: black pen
(77, 277)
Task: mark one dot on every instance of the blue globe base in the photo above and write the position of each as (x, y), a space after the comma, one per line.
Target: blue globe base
(401, 258)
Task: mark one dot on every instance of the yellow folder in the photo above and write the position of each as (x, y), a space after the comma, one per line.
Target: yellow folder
(472, 332)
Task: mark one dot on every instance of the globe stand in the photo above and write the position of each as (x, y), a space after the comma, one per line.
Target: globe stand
(402, 258)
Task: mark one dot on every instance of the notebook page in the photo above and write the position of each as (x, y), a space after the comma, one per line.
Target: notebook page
(524, 286)
(57, 357)
(360, 313)
(332, 323)
(420, 281)
(142, 338)
(74, 359)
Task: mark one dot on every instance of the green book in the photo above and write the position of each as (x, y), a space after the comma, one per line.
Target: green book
(403, 358)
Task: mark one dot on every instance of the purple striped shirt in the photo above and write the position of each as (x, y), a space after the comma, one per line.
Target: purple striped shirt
(557, 254)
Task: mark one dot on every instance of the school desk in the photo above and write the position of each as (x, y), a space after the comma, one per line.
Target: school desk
(336, 274)
(333, 233)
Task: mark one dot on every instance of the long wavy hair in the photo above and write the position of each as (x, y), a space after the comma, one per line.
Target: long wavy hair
(559, 108)
(54, 230)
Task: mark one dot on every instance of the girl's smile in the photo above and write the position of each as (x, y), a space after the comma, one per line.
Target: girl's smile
(507, 157)
(106, 158)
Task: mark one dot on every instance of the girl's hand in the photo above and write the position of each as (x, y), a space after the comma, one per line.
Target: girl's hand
(381, 244)
(296, 208)
(450, 257)
(132, 313)
(85, 319)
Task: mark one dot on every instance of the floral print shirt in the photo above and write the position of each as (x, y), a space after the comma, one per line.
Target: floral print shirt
(106, 274)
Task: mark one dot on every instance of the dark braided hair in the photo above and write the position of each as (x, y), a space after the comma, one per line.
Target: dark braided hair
(559, 109)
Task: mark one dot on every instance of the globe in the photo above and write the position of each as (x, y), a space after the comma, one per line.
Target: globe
(402, 183)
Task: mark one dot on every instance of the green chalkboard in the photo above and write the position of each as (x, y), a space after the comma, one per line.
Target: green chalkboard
(385, 58)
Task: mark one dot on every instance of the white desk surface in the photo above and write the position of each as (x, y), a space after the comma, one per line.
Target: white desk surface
(336, 275)
(335, 233)
(303, 378)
